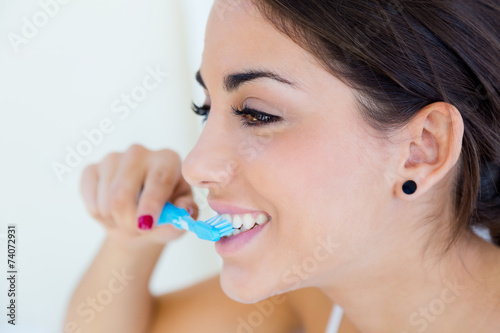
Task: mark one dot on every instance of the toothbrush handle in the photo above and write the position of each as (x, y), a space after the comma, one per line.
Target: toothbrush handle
(174, 215)
(179, 217)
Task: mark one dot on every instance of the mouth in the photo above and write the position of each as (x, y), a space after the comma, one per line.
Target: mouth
(240, 241)
(245, 222)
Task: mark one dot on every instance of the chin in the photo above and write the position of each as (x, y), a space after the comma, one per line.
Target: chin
(244, 287)
(242, 290)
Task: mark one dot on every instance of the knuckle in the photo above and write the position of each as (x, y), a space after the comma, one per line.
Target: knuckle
(169, 157)
(103, 211)
(104, 214)
(118, 196)
(94, 212)
(109, 159)
(173, 156)
(136, 149)
(162, 176)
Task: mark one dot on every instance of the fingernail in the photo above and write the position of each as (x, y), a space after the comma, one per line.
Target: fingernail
(189, 208)
(145, 222)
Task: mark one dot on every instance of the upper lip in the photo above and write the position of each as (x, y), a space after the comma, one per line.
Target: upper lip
(226, 208)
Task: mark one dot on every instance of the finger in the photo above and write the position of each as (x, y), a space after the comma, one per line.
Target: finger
(183, 197)
(125, 189)
(88, 189)
(161, 180)
(181, 188)
(186, 201)
(106, 172)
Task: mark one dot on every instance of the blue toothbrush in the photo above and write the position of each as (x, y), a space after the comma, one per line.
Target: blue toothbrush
(212, 229)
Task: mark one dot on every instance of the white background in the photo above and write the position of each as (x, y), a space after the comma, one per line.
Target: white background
(61, 82)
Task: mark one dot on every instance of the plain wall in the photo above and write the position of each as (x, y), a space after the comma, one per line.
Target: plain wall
(67, 78)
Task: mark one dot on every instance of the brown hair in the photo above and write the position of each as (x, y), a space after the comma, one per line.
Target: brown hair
(401, 55)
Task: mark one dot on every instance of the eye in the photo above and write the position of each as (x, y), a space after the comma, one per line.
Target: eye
(253, 118)
(249, 117)
(201, 111)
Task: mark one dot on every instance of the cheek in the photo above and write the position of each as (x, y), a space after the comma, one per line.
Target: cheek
(313, 169)
(315, 180)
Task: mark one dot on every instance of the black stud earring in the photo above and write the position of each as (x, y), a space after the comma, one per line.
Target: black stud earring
(410, 187)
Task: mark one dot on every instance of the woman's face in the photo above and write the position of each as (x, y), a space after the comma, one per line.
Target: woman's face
(316, 171)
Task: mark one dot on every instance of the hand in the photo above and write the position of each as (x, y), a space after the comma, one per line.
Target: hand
(110, 190)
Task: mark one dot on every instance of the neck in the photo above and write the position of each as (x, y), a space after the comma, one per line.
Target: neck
(408, 292)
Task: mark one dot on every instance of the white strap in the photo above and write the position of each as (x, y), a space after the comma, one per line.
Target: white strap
(335, 319)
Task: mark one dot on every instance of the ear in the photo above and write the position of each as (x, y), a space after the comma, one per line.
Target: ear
(432, 147)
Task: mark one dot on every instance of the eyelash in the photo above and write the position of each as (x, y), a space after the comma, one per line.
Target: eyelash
(262, 118)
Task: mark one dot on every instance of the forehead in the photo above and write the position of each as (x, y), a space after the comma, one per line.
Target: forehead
(238, 38)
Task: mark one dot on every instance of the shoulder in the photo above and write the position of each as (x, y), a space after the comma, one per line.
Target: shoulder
(204, 307)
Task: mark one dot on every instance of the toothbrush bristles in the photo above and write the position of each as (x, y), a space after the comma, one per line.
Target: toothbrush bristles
(212, 220)
(223, 226)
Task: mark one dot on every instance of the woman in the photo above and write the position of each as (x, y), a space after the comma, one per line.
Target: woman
(368, 132)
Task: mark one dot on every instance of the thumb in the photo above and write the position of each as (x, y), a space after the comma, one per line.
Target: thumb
(186, 201)
(169, 232)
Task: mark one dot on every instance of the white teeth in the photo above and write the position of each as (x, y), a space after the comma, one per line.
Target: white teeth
(248, 221)
(237, 221)
(244, 222)
(261, 219)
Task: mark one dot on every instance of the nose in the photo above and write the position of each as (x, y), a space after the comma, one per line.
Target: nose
(212, 162)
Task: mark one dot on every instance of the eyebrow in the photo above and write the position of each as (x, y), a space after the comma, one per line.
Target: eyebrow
(235, 80)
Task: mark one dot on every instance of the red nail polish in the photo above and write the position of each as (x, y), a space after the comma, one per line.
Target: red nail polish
(145, 222)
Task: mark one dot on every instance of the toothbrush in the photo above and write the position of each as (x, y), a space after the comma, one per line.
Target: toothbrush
(212, 229)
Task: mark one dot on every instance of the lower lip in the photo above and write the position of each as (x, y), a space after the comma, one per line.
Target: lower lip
(227, 246)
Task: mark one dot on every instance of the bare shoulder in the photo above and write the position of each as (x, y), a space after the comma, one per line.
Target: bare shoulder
(204, 307)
